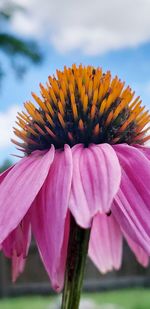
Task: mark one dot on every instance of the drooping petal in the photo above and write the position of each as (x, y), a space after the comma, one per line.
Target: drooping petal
(16, 246)
(105, 247)
(131, 206)
(18, 265)
(4, 174)
(96, 180)
(145, 150)
(20, 187)
(141, 256)
(137, 168)
(129, 221)
(50, 221)
(19, 239)
(14, 242)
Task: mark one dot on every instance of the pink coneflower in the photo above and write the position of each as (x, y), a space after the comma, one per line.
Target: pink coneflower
(84, 179)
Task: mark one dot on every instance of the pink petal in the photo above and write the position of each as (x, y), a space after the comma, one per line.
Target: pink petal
(145, 150)
(18, 265)
(131, 206)
(20, 187)
(105, 247)
(14, 241)
(4, 174)
(49, 217)
(137, 168)
(19, 239)
(96, 180)
(16, 246)
(129, 222)
(140, 254)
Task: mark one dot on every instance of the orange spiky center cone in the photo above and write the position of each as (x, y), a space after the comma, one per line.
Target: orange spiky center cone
(82, 105)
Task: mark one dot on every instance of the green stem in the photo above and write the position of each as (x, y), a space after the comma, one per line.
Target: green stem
(75, 266)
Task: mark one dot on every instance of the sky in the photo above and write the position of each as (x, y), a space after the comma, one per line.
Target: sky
(114, 35)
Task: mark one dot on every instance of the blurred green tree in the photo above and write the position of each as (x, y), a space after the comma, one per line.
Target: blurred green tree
(14, 46)
(6, 164)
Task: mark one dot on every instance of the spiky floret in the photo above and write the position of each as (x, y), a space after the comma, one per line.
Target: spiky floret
(82, 105)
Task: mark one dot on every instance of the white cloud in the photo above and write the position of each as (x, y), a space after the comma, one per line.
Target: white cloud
(7, 121)
(93, 27)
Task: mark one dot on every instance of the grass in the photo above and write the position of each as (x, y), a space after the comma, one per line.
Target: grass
(126, 299)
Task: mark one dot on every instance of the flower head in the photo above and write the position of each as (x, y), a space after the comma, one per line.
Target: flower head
(84, 157)
(82, 105)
